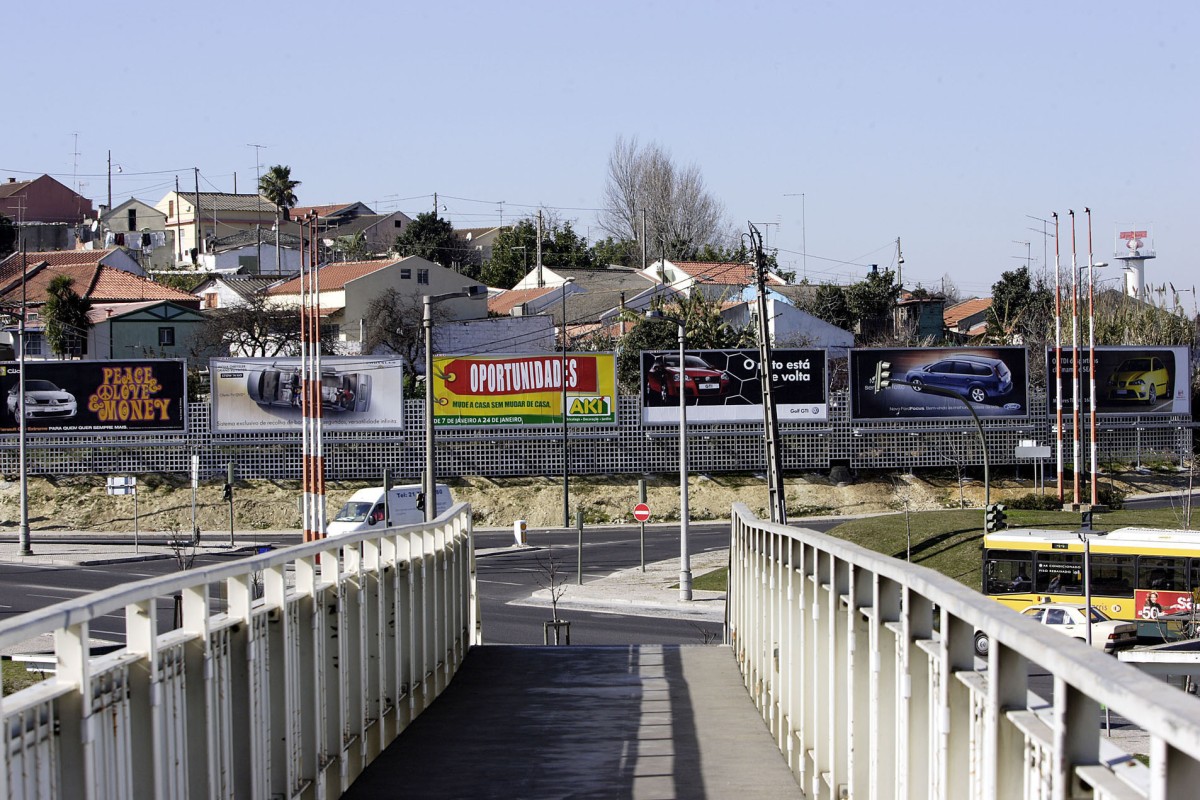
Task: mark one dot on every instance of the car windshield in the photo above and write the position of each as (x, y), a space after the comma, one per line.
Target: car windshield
(353, 512)
(1098, 615)
(1135, 365)
(40, 386)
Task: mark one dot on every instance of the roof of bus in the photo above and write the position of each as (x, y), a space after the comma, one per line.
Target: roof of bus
(1119, 540)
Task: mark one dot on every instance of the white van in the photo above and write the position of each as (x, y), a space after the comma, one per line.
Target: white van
(364, 509)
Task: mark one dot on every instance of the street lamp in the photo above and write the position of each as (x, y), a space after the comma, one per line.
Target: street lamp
(685, 566)
(566, 452)
(427, 321)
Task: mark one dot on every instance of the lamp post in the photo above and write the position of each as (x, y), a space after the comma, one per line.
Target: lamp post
(566, 451)
(431, 510)
(685, 565)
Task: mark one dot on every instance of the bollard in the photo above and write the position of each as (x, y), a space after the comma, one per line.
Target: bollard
(579, 526)
(519, 532)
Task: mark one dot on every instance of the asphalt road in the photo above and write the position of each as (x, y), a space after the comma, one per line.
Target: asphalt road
(503, 576)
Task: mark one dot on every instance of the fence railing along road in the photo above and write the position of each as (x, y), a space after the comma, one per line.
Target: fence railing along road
(290, 672)
(864, 670)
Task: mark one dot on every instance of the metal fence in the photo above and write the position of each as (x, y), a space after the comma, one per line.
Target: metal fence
(628, 447)
(284, 674)
(863, 668)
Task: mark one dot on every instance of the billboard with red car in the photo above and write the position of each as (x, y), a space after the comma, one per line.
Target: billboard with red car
(726, 385)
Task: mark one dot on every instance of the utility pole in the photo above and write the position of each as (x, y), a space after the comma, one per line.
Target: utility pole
(178, 223)
(644, 263)
(777, 494)
(435, 206)
(110, 180)
(899, 265)
(540, 282)
(196, 211)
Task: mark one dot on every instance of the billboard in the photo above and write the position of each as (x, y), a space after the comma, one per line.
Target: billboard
(726, 386)
(994, 380)
(487, 391)
(145, 396)
(263, 394)
(1129, 379)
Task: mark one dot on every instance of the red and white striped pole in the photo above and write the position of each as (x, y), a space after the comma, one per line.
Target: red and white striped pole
(313, 467)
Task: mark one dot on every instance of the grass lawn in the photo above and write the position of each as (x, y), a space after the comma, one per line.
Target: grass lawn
(951, 541)
(16, 677)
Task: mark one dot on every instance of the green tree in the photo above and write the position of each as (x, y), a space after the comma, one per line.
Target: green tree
(66, 318)
(704, 329)
(515, 251)
(1022, 308)
(620, 252)
(830, 304)
(277, 186)
(8, 235)
(870, 302)
(433, 239)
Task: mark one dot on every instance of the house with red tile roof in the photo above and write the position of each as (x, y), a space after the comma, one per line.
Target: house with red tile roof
(102, 285)
(113, 257)
(967, 320)
(347, 289)
(147, 329)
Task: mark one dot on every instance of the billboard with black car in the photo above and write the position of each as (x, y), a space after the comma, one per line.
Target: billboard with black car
(994, 380)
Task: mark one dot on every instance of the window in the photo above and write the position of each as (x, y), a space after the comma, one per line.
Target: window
(33, 343)
(170, 208)
(423, 276)
(1060, 573)
(397, 223)
(1007, 571)
(211, 299)
(1113, 576)
(1161, 573)
(131, 218)
(405, 274)
(1056, 616)
(166, 337)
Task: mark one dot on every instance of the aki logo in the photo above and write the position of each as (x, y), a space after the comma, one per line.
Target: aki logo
(589, 407)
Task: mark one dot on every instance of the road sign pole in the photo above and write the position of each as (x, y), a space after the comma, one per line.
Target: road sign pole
(136, 546)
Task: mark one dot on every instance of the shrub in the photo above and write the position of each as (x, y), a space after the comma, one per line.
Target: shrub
(1035, 502)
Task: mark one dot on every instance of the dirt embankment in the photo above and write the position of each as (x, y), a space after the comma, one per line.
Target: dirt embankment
(165, 502)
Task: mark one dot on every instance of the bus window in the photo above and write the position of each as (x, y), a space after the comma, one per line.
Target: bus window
(1007, 571)
(1155, 572)
(1059, 573)
(1113, 576)
(1194, 575)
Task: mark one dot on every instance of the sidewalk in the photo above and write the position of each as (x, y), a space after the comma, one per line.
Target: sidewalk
(93, 548)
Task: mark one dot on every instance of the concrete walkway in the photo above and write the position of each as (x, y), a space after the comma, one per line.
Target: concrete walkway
(647, 721)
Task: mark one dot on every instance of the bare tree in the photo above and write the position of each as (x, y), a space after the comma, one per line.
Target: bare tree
(256, 328)
(394, 322)
(681, 214)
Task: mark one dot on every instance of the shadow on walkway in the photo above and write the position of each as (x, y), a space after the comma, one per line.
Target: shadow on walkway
(643, 721)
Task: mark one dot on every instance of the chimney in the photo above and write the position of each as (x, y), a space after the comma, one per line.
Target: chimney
(12, 180)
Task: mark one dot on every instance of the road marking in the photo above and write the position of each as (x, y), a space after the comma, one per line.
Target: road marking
(501, 583)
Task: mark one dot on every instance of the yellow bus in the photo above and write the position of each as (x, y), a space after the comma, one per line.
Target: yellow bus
(1137, 573)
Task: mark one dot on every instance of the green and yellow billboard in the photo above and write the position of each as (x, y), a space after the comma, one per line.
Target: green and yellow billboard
(490, 391)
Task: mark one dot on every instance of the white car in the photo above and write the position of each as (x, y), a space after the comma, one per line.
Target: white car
(1109, 635)
(42, 400)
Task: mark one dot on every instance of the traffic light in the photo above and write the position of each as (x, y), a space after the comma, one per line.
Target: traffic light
(1085, 520)
(883, 375)
(994, 517)
(420, 501)
(228, 493)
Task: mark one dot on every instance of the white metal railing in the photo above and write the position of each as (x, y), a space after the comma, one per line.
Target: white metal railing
(287, 694)
(863, 668)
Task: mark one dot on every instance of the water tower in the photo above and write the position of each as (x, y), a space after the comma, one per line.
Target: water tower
(1134, 246)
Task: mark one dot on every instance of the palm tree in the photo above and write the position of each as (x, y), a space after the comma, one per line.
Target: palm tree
(277, 186)
(66, 317)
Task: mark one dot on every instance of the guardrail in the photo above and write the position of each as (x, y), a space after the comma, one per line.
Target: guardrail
(864, 670)
(288, 673)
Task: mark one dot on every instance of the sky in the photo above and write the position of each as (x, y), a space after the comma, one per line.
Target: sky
(836, 127)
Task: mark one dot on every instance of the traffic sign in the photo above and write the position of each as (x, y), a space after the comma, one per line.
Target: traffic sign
(641, 512)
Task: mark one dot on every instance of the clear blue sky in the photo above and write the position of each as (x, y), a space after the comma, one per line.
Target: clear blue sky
(944, 124)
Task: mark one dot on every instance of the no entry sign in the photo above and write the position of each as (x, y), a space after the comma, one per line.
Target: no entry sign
(641, 512)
